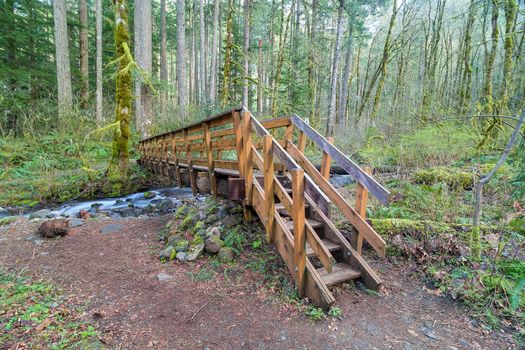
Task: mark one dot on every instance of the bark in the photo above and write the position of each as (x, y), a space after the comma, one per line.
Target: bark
(195, 58)
(227, 56)
(335, 72)
(214, 53)
(181, 57)
(345, 83)
(312, 86)
(260, 79)
(99, 112)
(488, 101)
(65, 96)
(143, 58)
(510, 18)
(84, 64)
(202, 50)
(384, 63)
(123, 97)
(163, 61)
(465, 84)
(246, 53)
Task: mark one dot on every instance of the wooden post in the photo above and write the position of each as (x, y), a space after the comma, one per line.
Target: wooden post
(211, 168)
(299, 248)
(238, 142)
(360, 207)
(248, 166)
(301, 142)
(190, 162)
(269, 200)
(327, 159)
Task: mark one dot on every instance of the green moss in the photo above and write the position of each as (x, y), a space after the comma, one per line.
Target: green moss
(189, 220)
(181, 211)
(197, 240)
(198, 226)
(455, 179)
(173, 254)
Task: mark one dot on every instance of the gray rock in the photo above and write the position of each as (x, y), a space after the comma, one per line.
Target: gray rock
(115, 216)
(428, 332)
(163, 277)
(226, 255)
(182, 256)
(213, 244)
(223, 212)
(166, 253)
(41, 214)
(202, 233)
(76, 223)
(213, 231)
(196, 252)
(210, 219)
(111, 228)
(231, 220)
(182, 245)
(149, 195)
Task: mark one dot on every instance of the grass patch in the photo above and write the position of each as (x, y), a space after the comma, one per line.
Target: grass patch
(36, 314)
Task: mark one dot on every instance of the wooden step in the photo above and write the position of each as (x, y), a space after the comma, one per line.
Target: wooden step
(340, 272)
(330, 246)
(315, 224)
(282, 210)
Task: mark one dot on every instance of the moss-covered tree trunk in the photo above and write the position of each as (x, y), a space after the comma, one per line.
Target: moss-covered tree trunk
(491, 58)
(123, 96)
(510, 21)
(225, 95)
(465, 88)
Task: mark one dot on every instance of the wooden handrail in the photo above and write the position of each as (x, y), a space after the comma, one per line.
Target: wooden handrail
(358, 174)
(298, 215)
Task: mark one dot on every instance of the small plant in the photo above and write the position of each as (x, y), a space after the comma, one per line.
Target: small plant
(335, 312)
(256, 244)
(202, 275)
(315, 313)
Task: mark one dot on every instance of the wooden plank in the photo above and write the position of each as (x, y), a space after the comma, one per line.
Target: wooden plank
(298, 216)
(351, 215)
(239, 141)
(190, 163)
(319, 247)
(360, 207)
(301, 141)
(276, 122)
(223, 132)
(257, 159)
(368, 275)
(211, 170)
(248, 171)
(269, 173)
(223, 144)
(325, 162)
(341, 272)
(358, 174)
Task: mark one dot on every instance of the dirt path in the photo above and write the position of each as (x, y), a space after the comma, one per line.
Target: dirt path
(116, 274)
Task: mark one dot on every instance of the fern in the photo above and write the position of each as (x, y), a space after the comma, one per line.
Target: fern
(516, 294)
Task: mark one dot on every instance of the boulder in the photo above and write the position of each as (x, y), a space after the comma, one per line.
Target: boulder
(211, 219)
(213, 231)
(149, 195)
(231, 220)
(76, 223)
(213, 244)
(196, 252)
(166, 253)
(40, 214)
(54, 228)
(182, 245)
(182, 256)
(226, 255)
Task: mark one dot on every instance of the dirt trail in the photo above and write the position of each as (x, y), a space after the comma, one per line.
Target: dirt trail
(116, 274)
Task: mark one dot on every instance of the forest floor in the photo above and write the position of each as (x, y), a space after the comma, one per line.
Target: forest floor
(205, 306)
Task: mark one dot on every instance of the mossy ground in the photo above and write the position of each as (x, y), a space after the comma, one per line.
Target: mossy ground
(35, 314)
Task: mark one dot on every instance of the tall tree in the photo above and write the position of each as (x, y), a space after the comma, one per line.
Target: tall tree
(510, 22)
(345, 83)
(465, 83)
(65, 95)
(488, 100)
(84, 57)
(181, 57)
(163, 60)
(335, 72)
(98, 11)
(214, 53)
(227, 55)
(143, 58)
(202, 55)
(123, 97)
(246, 53)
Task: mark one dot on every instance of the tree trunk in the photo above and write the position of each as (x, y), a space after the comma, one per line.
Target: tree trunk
(99, 112)
(384, 63)
(488, 101)
(65, 96)
(246, 48)
(163, 61)
(260, 80)
(345, 83)
(181, 57)
(214, 53)
(203, 77)
(465, 88)
(143, 49)
(335, 72)
(84, 64)
(510, 18)
(195, 58)
(227, 55)
(123, 97)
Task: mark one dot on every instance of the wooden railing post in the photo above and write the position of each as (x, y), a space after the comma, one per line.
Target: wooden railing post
(237, 126)
(360, 207)
(327, 159)
(301, 141)
(190, 162)
(298, 216)
(211, 167)
(268, 185)
(248, 166)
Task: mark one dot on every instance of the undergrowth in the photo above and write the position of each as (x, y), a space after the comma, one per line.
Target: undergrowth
(34, 314)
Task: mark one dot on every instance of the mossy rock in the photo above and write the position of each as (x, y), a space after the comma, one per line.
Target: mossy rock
(210, 207)
(211, 219)
(199, 226)
(457, 180)
(191, 217)
(149, 195)
(181, 212)
(182, 245)
(226, 255)
(197, 239)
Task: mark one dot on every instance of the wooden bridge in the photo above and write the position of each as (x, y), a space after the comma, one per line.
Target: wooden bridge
(262, 163)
